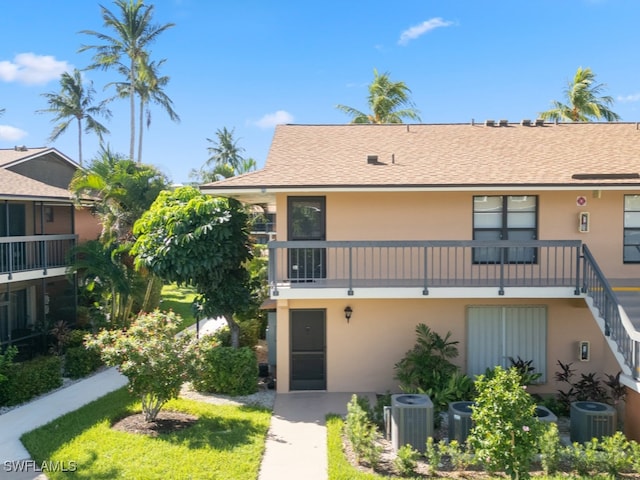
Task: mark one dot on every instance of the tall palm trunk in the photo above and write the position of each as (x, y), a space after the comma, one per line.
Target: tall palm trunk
(141, 114)
(132, 104)
(79, 140)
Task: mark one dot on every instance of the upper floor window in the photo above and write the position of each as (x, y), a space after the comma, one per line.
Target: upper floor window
(505, 217)
(306, 219)
(631, 229)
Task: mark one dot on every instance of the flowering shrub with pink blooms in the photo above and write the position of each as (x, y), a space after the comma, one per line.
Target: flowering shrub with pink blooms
(506, 431)
(150, 355)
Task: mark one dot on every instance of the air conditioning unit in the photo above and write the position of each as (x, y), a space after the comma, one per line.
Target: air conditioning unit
(460, 422)
(411, 420)
(591, 420)
(543, 414)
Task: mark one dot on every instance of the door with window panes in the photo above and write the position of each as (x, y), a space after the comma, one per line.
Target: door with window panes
(505, 217)
(306, 221)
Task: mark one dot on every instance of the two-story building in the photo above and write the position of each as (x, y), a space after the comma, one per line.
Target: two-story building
(38, 226)
(521, 239)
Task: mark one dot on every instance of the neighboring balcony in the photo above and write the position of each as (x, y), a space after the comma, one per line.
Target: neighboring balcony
(34, 256)
(410, 269)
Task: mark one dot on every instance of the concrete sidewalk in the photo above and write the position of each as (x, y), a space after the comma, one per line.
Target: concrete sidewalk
(297, 439)
(45, 409)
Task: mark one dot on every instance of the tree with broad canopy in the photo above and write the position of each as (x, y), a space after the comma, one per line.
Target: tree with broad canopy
(194, 239)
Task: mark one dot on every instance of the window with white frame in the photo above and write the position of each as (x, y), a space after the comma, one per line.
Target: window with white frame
(505, 217)
(497, 333)
(631, 229)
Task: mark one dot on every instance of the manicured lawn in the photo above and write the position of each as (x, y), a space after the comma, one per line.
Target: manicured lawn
(226, 443)
(179, 299)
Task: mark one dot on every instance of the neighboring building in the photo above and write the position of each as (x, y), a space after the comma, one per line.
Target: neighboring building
(38, 226)
(509, 236)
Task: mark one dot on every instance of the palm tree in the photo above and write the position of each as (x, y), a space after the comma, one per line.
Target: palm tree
(74, 101)
(388, 101)
(584, 102)
(225, 150)
(149, 88)
(134, 32)
(123, 190)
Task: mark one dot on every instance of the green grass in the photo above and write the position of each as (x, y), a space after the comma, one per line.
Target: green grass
(180, 300)
(226, 443)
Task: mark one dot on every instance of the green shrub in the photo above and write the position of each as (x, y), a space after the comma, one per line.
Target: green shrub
(80, 361)
(76, 338)
(6, 362)
(434, 455)
(249, 334)
(459, 456)
(362, 433)
(506, 431)
(617, 454)
(406, 460)
(150, 355)
(550, 448)
(219, 369)
(31, 378)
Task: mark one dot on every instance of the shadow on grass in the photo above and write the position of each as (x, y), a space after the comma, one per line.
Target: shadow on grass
(221, 428)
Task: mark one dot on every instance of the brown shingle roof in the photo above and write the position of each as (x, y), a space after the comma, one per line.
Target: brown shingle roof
(15, 185)
(452, 155)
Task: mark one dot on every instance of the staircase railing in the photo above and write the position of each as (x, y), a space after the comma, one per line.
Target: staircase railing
(617, 325)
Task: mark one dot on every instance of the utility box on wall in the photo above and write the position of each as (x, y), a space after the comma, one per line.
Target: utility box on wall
(583, 222)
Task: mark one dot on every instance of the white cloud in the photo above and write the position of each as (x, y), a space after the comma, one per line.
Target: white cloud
(11, 134)
(419, 30)
(32, 69)
(272, 119)
(635, 97)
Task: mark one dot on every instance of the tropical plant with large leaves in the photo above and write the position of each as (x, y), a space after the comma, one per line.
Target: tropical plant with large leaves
(74, 101)
(190, 238)
(584, 101)
(389, 102)
(133, 32)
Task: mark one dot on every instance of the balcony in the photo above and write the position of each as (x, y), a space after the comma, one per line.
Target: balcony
(459, 269)
(21, 257)
(422, 268)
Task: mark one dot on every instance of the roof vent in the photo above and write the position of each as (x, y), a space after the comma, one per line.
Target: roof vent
(372, 159)
(489, 123)
(503, 123)
(539, 122)
(525, 123)
(20, 148)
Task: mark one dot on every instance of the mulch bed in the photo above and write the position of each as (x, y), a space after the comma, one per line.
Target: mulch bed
(165, 422)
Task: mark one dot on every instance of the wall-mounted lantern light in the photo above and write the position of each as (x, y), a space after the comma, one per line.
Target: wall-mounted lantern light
(347, 313)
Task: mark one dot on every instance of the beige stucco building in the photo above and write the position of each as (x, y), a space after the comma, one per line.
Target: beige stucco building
(519, 239)
(39, 225)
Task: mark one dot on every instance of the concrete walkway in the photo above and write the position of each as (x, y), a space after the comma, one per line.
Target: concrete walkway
(42, 411)
(297, 440)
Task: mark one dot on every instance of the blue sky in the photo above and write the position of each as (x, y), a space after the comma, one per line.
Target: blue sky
(248, 65)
